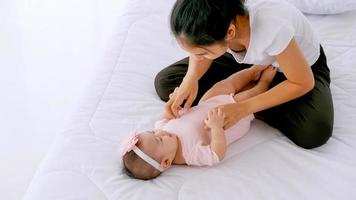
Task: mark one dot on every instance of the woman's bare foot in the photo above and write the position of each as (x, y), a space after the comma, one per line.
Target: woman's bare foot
(257, 71)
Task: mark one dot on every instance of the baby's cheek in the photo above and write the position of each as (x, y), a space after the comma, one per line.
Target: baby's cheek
(161, 153)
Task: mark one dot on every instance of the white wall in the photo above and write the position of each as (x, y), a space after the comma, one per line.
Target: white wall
(48, 51)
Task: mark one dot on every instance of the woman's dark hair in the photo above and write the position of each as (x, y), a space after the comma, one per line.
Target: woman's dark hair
(204, 22)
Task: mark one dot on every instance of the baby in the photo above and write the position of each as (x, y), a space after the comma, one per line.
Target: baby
(197, 137)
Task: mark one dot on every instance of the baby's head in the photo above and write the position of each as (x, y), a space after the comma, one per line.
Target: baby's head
(149, 153)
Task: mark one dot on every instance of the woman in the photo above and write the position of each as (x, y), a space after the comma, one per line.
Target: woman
(226, 36)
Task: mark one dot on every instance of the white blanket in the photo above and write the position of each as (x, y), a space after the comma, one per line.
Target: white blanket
(84, 161)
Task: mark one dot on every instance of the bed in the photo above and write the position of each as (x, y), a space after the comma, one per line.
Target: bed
(84, 161)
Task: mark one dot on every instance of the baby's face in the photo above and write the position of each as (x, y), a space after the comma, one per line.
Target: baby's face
(159, 144)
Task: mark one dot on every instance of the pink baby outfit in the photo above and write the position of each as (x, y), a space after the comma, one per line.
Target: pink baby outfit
(195, 139)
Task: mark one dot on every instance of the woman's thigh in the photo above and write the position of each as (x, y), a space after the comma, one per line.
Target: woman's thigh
(172, 76)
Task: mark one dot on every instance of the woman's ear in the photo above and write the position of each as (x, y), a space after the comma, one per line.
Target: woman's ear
(166, 163)
(231, 32)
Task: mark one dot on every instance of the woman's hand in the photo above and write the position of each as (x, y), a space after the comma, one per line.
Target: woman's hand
(188, 91)
(233, 112)
(167, 113)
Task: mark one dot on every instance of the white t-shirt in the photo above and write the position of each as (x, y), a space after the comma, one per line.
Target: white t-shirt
(273, 23)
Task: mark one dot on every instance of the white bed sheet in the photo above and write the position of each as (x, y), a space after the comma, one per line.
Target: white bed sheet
(84, 162)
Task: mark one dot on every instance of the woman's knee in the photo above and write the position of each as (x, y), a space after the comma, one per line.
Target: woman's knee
(312, 135)
(167, 80)
(161, 85)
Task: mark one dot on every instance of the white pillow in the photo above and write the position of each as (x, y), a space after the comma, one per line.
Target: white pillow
(324, 6)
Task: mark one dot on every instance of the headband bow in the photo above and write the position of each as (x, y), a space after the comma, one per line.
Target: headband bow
(130, 145)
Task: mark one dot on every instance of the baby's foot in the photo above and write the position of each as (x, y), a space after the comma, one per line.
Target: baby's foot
(268, 74)
(257, 71)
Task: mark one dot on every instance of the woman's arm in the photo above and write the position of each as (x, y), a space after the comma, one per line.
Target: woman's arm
(188, 89)
(300, 80)
(197, 67)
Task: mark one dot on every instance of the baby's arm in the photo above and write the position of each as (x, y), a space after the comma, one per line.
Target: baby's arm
(218, 142)
(215, 122)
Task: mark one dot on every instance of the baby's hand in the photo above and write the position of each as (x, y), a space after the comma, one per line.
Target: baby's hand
(215, 119)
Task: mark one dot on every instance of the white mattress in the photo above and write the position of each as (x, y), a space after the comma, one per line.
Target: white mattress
(84, 161)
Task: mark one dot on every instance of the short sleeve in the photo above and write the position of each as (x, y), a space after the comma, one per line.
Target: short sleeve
(160, 123)
(280, 39)
(272, 29)
(202, 155)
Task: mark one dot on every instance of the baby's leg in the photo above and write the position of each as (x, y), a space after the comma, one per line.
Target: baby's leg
(260, 87)
(235, 83)
(243, 80)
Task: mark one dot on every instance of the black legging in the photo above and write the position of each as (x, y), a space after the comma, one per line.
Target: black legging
(307, 120)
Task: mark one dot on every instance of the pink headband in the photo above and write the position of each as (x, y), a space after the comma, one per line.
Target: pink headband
(131, 146)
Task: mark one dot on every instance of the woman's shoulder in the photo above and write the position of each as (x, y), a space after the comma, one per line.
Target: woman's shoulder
(272, 10)
(272, 22)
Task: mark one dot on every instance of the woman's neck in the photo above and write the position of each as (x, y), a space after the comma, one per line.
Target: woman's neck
(242, 32)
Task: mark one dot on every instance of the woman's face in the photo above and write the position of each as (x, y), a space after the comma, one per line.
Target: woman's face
(210, 52)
